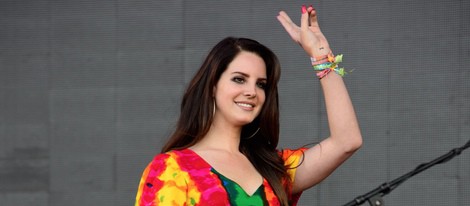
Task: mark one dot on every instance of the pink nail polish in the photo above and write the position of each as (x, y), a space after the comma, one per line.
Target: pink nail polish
(304, 9)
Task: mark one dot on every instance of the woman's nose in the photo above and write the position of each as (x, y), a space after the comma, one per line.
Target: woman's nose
(250, 91)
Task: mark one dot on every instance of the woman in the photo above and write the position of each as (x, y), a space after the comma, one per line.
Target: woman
(223, 151)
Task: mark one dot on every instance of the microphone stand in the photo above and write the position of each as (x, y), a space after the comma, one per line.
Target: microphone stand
(374, 197)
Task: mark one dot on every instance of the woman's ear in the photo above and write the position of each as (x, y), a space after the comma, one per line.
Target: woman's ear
(214, 90)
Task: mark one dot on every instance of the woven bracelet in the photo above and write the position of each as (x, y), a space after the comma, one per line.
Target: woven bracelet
(325, 67)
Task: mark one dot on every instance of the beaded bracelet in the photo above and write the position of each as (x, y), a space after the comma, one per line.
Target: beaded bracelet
(326, 64)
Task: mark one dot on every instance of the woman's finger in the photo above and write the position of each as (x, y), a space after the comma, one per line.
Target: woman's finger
(313, 16)
(286, 17)
(291, 28)
(285, 21)
(304, 19)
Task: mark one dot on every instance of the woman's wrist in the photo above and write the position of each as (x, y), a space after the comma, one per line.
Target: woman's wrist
(325, 64)
(321, 51)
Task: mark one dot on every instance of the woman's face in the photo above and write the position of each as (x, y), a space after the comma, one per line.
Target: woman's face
(239, 93)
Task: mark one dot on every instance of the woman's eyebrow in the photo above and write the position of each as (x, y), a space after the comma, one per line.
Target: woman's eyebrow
(247, 75)
(241, 73)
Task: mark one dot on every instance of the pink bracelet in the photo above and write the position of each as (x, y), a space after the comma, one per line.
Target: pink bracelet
(317, 58)
(317, 62)
(323, 73)
(322, 59)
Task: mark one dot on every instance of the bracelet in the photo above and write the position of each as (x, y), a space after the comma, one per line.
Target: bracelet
(318, 58)
(323, 73)
(321, 61)
(327, 64)
(321, 67)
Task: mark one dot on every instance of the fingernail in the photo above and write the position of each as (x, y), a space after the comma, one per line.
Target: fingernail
(304, 9)
(313, 8)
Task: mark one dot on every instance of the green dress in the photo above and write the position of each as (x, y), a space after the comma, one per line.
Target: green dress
(237, 194)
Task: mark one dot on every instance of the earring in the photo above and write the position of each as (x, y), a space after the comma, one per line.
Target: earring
(213, 111)
(253, 134)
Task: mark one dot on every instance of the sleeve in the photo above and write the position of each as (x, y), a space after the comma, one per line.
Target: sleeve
(162, 183)
(292, 160)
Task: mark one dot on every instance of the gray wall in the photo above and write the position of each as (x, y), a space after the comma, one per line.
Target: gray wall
(89, 90)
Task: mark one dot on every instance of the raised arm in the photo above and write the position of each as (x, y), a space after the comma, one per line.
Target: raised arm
(345, 137)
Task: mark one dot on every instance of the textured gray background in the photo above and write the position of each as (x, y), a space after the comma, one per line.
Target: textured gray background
(89, 90)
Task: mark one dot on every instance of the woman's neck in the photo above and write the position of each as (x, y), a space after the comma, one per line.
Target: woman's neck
(220, 137)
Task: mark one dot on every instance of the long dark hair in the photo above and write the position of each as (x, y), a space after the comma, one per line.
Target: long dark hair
(197, 110)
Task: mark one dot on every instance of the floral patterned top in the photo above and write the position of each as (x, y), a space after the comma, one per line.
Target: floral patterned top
(183, 178)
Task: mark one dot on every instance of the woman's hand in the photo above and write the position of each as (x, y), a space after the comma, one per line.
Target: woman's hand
(308, 35)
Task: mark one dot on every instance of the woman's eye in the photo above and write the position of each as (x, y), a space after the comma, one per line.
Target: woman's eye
(238, 80)
(261, 85)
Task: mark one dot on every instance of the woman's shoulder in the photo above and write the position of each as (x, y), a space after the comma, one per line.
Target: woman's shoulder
(292, 157)
(170, 157)
(287, 152)
(178, 159)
